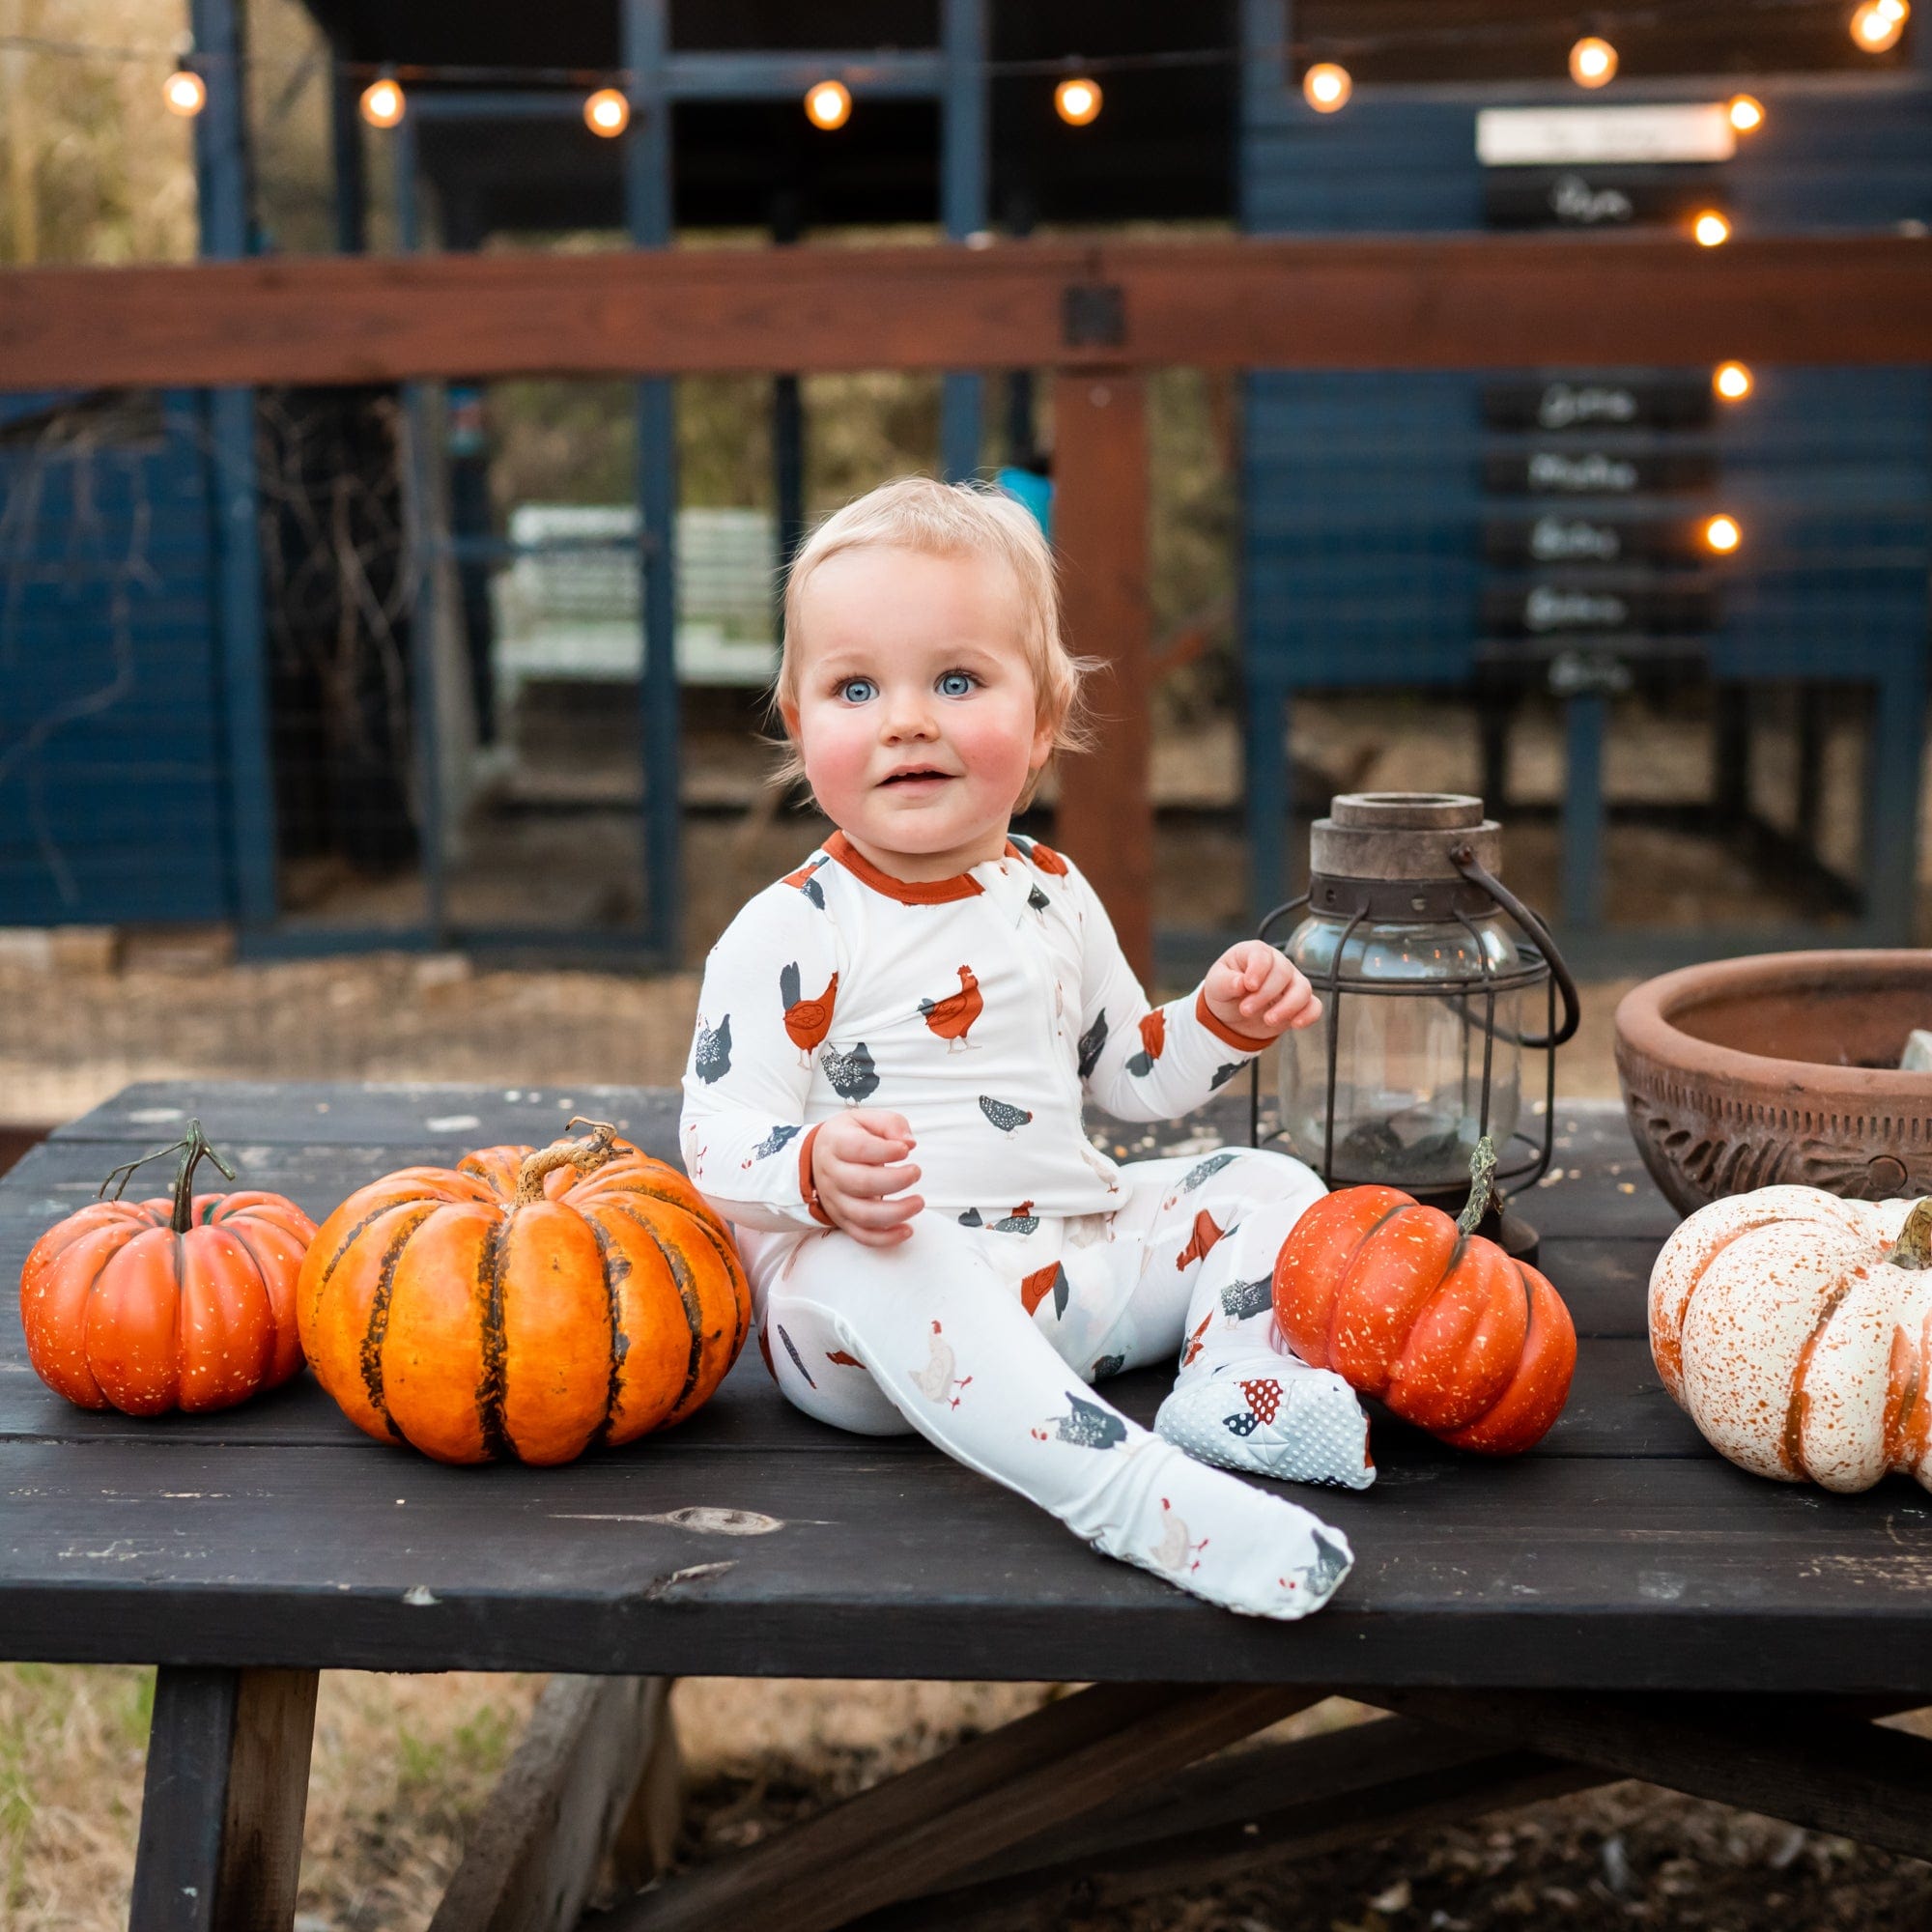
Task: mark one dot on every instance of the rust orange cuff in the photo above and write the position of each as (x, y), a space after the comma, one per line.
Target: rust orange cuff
(807, 1187)
(1239, 1041)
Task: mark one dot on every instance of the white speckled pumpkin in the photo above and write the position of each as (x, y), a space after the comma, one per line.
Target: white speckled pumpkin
(1795, 1329)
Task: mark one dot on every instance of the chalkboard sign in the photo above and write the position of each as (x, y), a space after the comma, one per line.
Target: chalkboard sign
(1571, 607)
(1578, 537)
(1597, 197)
(1568, 471)
(1567, 404)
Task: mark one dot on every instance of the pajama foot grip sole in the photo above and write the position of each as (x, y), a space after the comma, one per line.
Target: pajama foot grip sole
(1293, 1424)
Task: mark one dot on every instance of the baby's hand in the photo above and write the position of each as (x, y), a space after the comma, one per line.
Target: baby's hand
(855, 1165)
(1254, 989)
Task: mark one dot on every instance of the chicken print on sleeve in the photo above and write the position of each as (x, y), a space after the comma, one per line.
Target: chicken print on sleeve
(951, 1018)
(806, 1022)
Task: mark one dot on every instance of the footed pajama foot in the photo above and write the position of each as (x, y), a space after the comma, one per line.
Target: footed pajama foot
(1271, 1415)
(1217, 1538)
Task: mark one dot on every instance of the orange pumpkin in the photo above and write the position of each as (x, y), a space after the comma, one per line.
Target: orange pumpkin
(1424, 1314)
(184, 1302)
(524, 1304)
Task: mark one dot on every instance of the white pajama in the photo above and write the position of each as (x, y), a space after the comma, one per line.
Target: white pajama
(1039, 1266)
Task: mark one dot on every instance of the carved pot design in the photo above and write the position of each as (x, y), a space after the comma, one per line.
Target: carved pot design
(1784, 1069)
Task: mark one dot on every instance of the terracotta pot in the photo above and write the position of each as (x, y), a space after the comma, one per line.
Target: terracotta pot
(1745, 1073)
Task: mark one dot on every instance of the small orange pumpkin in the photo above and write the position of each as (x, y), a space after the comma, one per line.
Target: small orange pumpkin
(1424, 1314)
(524, 1305)
(185, 1303)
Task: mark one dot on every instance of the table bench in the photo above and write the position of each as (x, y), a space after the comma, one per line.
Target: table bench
(1619, 1602)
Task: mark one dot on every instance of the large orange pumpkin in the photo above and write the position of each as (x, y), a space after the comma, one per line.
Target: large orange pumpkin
(525, 1304)
(179, 1302)
(1424, 1314)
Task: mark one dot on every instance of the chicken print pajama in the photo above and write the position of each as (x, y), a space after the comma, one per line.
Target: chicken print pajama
(984, 1009)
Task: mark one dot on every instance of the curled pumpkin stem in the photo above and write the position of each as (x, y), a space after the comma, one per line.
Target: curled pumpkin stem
(194, 1148)
(586, 1156)
(1915, 1239)
(1482, 1186)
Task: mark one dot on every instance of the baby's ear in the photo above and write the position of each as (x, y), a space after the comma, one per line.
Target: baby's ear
(789, 713)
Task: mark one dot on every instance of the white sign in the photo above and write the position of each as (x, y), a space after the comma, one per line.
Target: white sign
(1520, 137)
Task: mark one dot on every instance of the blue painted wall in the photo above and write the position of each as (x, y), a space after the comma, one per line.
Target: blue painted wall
(112, 757)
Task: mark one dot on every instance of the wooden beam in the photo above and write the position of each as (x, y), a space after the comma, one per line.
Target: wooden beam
(910, 1833)
(1333, 302)
(595, 1774)
(1821, 1769)
(222, 1806)
(1105, 816)
(1243, 1812)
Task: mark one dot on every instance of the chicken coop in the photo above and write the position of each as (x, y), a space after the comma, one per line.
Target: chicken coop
(372, 669)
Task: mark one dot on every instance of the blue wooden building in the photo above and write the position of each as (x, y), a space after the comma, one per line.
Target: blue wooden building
(1514, 531)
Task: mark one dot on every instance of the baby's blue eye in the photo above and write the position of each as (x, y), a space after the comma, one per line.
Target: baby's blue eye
(856, 689)
(956, 683)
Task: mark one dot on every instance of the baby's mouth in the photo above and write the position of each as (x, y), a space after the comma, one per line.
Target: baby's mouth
(926, 775)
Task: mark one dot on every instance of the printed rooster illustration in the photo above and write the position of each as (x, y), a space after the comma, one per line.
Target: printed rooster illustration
(1042, 856)
(1087, 1426)
(1206, 1171)
(1240, 1299)
(1021, 1221)
(1173, 1551)
(806, 1022)
(951, 1017)
(1006, 1118)
(1153, 1042)
(936, 1380)
(804, 880)
(1091, 1042)
(780, 1137)
(1199, 1243)
(711, 1054)
(1043, 1282)
(853, 1075)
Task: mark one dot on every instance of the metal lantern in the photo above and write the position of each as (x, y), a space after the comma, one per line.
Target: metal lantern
(1437, 986)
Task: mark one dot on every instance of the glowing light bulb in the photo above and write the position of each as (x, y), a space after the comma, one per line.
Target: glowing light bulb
(1593, 62)
(1732, 381)
(1711, 229)
(1722, 534)
(606, 112)
(828, 104)
(1077, 100)
(1326, 86)
(184, 93)
(382, 103)
(1746, 112)
(1877, 25)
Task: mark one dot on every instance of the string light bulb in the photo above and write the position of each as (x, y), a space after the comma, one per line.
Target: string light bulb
(1711, 229)
(1722, 534)
(1593, 62)
(1877, 24)
(1326, 86)
(606, 112)
(1077, 100)
(1745, 113)
(383, 101)
(1731, 381)
(184, 92)
(828, 104)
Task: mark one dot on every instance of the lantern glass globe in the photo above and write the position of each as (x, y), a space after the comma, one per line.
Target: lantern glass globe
(1327, 87)
(1593, 62)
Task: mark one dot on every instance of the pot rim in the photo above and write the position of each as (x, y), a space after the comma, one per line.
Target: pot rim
(1643, 1023)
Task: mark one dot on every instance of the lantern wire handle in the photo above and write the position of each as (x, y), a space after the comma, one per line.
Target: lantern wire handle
(1482, 1187)
(1463, 858)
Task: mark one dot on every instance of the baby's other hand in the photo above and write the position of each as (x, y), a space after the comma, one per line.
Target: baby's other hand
(1254, 989)
(856, 1161)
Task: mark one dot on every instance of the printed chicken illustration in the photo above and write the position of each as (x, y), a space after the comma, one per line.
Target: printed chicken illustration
(1173, 1551)
(779, 1137)
(1240, 1299)
(1042, 856)
(1224, 1073)
(936, 1380)
(1153, 1042)
(1021, 1221)
(806, 882)
(1043, 1282)
(1091, 1042)
(951, 1017)
(1087, 1426)
(1206, 1233)
(1008, 1117)
(1038, 899)
(853, 1075)
(711, 1055)
(806, 1022)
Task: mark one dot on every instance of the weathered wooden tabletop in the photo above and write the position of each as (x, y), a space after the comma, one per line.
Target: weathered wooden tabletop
(1620, 1555)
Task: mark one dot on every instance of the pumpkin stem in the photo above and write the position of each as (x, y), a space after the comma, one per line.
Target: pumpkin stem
(193, 1149)
(1915, 1239)
(584, 1155)
(1482, 1186)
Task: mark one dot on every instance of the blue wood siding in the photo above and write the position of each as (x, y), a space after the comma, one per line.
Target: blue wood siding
(112, 767)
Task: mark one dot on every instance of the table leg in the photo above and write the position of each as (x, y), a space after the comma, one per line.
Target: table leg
(221, 1814)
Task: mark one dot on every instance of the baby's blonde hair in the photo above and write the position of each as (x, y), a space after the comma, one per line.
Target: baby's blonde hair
(918, 513)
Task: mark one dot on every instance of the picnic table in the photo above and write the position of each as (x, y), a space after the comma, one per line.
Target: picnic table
(1618, 1602)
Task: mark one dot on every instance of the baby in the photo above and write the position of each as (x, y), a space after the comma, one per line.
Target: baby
(884, 1095)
